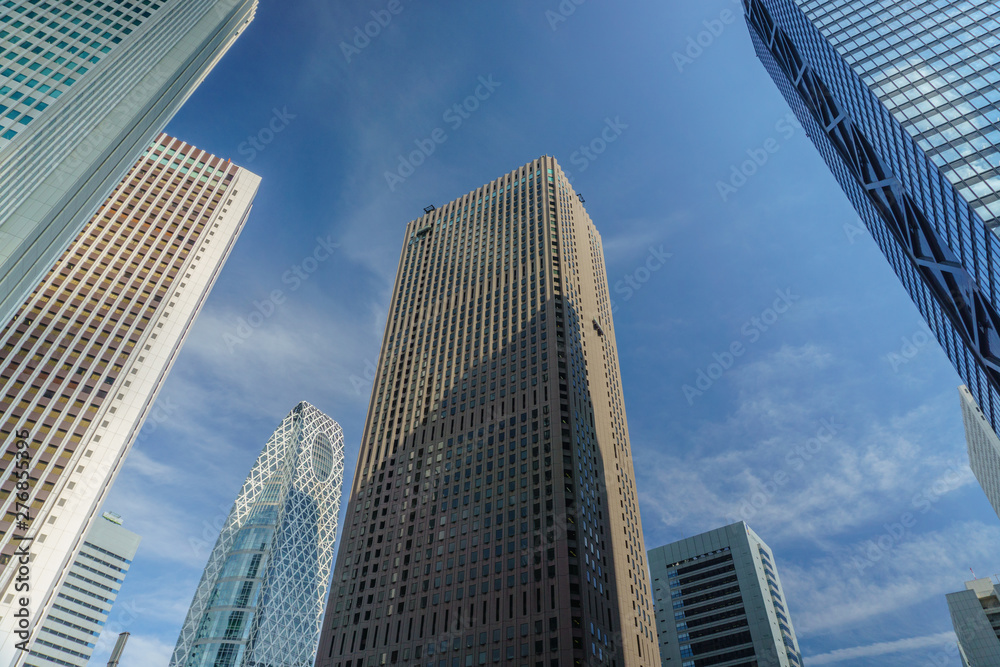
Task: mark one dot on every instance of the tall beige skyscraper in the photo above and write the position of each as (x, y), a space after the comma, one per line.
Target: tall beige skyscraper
(85, 87)
(493, 516)
(87, 353)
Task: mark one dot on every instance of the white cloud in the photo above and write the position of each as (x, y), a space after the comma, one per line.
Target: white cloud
(884, 648)
(888, 570)
(787, 461)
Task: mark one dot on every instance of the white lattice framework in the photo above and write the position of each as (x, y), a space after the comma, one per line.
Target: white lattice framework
(260, 600)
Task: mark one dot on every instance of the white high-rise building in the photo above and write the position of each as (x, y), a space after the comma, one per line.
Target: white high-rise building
(260, 599)
(83, 361)
(69, 632)
(975, 613)
(984, 448)
(85, 88)
(719, 601)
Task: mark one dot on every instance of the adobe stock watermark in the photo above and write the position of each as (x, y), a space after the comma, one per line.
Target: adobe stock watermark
(632, 282)
(362, 35)
(853, 231)
(740, 173)
(561, 13)
(911, 346)
(881, 547)
(796, 459)
(586, 154)
(256, 143)
(359, 383)
(202, 546)
(455, 116)
(697, 44)
(161, 413)
(752, 330)
(124, 616)
(294, 277)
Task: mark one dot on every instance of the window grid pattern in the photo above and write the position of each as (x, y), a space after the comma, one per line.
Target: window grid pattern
(87, 351)
(260, 600)
(488, 518)
(45, 47)
(984, 448)
(952, 218)
(70, 349)
(71, 630)
(62, 164)
(719, 601)
(935, 66)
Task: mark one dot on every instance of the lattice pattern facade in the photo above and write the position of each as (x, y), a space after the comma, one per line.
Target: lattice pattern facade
(260, 599)
(917, 211)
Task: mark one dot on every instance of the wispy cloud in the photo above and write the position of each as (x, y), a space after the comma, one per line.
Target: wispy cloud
(772, 462)
(830, 593)
(882, 648)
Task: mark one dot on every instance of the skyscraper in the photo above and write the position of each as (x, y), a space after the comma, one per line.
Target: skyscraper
(900, 99)
(493, 515)
(975, 614)
(260, 599)
(719, 601)
(984, 448)
(83, 361)
(70, 630)
(85, 88)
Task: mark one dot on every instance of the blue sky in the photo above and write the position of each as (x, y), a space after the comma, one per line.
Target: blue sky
(816, 434)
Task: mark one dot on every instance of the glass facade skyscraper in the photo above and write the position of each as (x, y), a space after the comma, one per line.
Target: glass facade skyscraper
(85, 88)
(260, 599)
(81, 365)
(493, 516)
(900, 97)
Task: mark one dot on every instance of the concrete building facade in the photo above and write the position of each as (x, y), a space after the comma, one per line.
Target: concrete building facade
(88, 351)
(719, 601)
(975, 614)
(493, 516)
(983, 446)
(85, 88)
(70, 630)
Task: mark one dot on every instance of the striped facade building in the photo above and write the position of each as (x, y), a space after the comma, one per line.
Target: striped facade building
(85, 88)
(71, 631)
(493, 516)
(88, 352)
